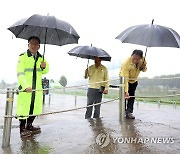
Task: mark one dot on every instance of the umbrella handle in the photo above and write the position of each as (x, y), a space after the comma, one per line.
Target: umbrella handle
(45, 44)
(88, 64)
(44, 51)
(145, 54)
(152, 22)
(87, 68)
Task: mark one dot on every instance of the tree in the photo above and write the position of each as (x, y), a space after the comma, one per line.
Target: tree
(52, 81)
(63, 82)
(2, 84)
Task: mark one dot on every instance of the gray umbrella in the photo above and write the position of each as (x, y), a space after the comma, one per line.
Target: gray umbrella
(150, 36)
(89, 52)
(49, 29)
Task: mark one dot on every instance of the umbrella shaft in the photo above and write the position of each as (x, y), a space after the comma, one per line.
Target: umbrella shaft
(44, 51)
(45, 44)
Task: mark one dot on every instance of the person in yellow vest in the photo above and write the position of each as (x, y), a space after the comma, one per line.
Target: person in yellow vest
(131, 69)
(30, 69)
(96, 73)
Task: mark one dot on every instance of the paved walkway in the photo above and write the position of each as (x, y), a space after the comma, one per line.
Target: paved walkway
(155, 130)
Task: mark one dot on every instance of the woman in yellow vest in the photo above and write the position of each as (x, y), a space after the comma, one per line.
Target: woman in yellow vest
(130, 69)
(30, 69)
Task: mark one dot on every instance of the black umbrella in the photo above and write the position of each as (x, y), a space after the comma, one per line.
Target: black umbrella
(49, 29)
(89, 52)
(150, 36)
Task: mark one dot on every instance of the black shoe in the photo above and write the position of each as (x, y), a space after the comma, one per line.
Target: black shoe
(24, 133)
(33, 129)
(130, 116)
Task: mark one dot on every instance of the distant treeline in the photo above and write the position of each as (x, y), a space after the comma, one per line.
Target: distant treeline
(164, 81)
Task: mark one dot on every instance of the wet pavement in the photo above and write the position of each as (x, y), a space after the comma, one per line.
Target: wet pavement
(156, 129)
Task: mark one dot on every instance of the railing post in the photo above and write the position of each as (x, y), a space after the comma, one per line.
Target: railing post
(75, 101)
(122, 99)
(49, 98)
(8, 120)
(159, 104)
(137, 104)
(175, 104)
(44, 99)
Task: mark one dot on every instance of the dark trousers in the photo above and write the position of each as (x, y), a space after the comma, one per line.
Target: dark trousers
(130, 101)
(93, 97)
(26, 122)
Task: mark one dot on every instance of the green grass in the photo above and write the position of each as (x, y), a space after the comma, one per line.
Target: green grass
(162, 100)
(115, 94)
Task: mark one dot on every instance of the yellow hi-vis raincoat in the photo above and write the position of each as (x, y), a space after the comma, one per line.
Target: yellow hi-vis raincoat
(29, 74)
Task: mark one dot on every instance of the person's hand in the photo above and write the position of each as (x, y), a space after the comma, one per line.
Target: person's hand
(143, 66)
(127, 95)
(86, 73)
(43, 64)
(28, 89)
(105, 92)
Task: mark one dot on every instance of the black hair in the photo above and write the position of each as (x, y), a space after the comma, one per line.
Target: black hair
(34, 37)
(138, 53)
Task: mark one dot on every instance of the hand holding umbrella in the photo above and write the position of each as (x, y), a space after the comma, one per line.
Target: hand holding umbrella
(86, 74)
(43, 65)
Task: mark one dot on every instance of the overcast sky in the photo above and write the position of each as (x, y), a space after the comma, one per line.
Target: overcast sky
(97, 22)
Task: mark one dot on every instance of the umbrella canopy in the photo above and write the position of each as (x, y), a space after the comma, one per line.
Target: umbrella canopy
(89, 52)
(49, 29)
(150, 36)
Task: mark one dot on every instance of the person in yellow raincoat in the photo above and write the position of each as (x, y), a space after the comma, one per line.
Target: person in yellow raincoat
(30, 69)
(131, 69)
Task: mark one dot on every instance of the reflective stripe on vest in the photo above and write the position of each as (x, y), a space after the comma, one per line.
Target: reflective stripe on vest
(28, 70)
(31, 70)
(20, 73)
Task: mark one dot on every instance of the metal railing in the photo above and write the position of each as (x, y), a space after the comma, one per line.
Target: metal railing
(10, 97)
